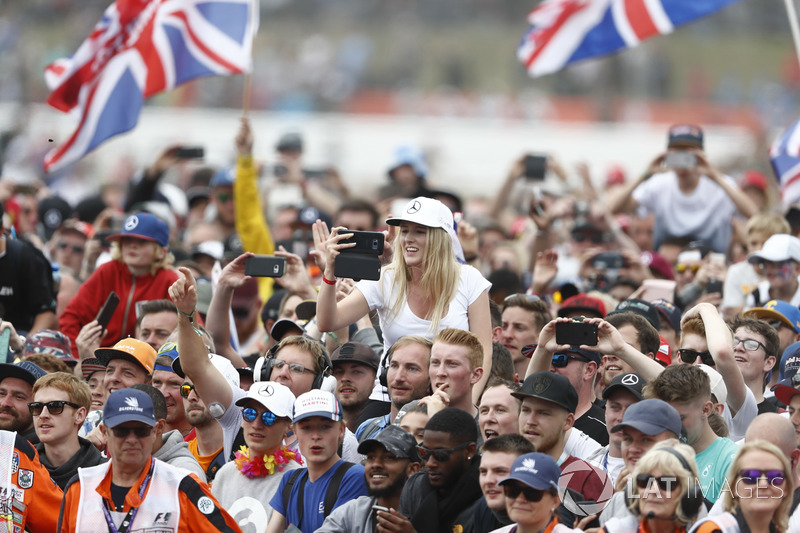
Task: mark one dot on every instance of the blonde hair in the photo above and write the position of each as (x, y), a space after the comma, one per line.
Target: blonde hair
(465, 339)
(768, 223)
(659, 458)
(164, 258)
(731, 502)
(77, 390)
(440, 275)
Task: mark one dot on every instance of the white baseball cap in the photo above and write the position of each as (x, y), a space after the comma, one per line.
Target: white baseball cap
(425, 212)
(779, 247)
(317, 403)
(718, 387)
(274, 396)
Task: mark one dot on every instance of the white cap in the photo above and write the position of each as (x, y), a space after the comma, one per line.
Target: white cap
(274, 396)
(223, 364)
(317, 403)
(425, 212)
(779, 247)
(718, 387)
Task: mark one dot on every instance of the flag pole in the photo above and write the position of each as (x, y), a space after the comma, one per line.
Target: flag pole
(248, 77)
(792, 15)
(246, 97)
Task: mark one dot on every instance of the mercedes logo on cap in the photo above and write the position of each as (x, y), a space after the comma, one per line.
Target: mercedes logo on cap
(416, 206)
(132, 222)
(630, 379)
(266, 390)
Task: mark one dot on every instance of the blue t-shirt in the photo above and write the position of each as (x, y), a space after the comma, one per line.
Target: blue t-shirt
(712, 466)
(352, 486)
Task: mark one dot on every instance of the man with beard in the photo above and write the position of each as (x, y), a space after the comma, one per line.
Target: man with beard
(16, 390)
(207, 446)
(169, 384)
(524, 315)
(391, 457)
(355, 366)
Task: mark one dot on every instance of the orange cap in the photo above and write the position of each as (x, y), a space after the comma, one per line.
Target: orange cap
(131, 349)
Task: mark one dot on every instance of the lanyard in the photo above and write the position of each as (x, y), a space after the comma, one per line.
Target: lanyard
(128, 520)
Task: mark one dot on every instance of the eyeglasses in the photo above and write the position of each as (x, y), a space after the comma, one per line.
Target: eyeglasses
(56, 407)
(512, 490)
(560, 360)
(680, 268)
(530, 298)
(750, 476)
(139, 431)
(442, 455)
(689, 356)
(224, 197)
(297, 368)
(74, 247)
(240, 312)
(267, 417)
(186, 390)
(665, 483)
(751, 345)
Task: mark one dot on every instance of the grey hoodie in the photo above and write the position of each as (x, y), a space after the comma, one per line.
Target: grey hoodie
(175, 451)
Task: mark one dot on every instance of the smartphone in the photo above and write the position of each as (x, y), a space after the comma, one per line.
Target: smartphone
(367, 242)
(608, 261)
(535, 167)
(714, 285)
(358, 267)
(107, 311)
(265, 266)
(315, 173)
(656, 289)
(680, 159)
(190, 152)
(716, 258)
(576, 333)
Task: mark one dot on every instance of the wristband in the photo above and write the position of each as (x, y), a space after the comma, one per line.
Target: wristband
(326, 280)
(190, 316)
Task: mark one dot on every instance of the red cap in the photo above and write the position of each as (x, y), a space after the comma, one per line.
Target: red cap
(582, 302)
(754, 178)
(664, 354)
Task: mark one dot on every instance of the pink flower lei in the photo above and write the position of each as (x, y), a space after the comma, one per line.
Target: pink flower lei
(264, 465)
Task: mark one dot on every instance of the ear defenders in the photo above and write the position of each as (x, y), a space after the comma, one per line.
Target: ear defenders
(262, 370)
(691, 501)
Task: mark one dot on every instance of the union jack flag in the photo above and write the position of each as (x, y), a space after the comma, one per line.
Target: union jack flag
(138, 49)
(785, 157)
(565, 31)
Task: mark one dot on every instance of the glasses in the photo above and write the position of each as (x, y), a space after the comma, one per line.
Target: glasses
(297, 368)
(224, 197)
(512, 490)
(74, 247)
(139, 431)
(665, 483)
(750, 476)
(530, 298)
(680, 268)
(240, 312)
(186, 390)
(267, 417)
(751, 345)
(56, 407)
(560, 360)
(689, 356)
(442, 455)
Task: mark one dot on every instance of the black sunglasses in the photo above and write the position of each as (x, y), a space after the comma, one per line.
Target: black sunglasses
(665, 483)
(442, 455)
(139, 431)
(560, 360)
(689, 356)
(512, 490)
(56, 407)
(186, 390)
(267, 417)
(750, 476)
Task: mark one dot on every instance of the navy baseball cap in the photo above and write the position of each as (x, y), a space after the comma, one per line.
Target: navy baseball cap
(670, 312)
(537, 470)
(651, 417)
(144, 226)
(631, 382)
(24, 370)
(128, 405)
(398, 442)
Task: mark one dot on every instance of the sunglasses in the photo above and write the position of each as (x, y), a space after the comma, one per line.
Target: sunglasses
(750, 476)
(680, 268)
(512, 491)
(560, 360)
(139, 431)
(751, 345)
(297, 368)
(442, 455)
(665, 483)
(267, 417)
(56, 407)
(186, 390)
(224, 198)
(75, 248)
(689, 356)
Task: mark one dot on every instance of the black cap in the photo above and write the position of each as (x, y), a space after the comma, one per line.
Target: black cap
(640, 307)
(356, 352)
(396, 441)
(631, 382)
(551, 387)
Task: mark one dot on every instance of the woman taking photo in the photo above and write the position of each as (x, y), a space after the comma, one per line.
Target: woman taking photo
(667, 496)
(760, 495)
(422, 291)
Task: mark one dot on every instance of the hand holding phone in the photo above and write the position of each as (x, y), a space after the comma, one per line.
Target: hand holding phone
(576, 333)
(534, 167)
(265, 266)
(107, 311)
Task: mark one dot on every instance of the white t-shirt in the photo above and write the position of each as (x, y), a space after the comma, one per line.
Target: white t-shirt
(737, 425)
(764, 297)
(740, 281)
(704, 214)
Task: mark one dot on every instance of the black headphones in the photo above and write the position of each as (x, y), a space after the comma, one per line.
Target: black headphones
(384, 370)
(262, 370)
(693, 499)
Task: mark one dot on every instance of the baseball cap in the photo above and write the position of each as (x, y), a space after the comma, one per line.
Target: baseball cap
(641, 308)
(317, 403)
(685, 136)
(274, 396)
(90, 365)
(631, 382)
(355, 352)
(779, 247)
(398, 442)
(537, 470)
(409, 155)
(551, 387)
(657, 264)
(718, 387)
(223, 177)
(284, 326)
(309, 214)
(779, 310)
(78, 226)
(290, 142)
(213, 249)
(790, 361)
(51, 342)
(755, 179)
(53, 211)
(651, 417)
(222, 364)
(590, 355)
(670, 312)
(784, 391)
(425, 212)
(144, 226)
(272, 308)
(166, 356)
(24, 370)
(583, 303)
(128, 405)
(306, 310)
(130, 349)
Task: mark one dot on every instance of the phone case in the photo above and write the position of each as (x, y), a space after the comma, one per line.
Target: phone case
(265, 266)
(358, 267)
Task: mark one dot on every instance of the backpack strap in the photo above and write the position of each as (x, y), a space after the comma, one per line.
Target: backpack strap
(333, 487)
(238, 442)
(287, 490)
